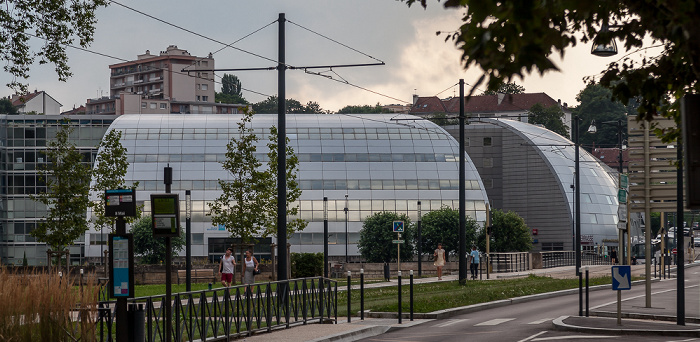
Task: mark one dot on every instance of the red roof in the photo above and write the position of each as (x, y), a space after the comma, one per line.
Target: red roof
(20, 100)
(483, 103)
(610, 156)
(427, 105)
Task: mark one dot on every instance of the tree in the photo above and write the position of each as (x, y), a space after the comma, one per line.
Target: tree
(58, 23)
(6, 107)
(551, 118)
(506, 88)
(230, 90)
(376, 237)
(510, 234)
(511, 38)
(442, 226)
(269, 106)
(596, 104)
(364, 109)
(242, 205)
(109, 173)
(306, 265)
(441, 119)
(293, 191)
(67, 181)
(149, 248)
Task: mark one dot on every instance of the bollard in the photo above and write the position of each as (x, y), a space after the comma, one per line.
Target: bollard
(387, 273)
(82, 272)
(136, 322)
(362, 294)
(209, 286)
(399, 297)
(586, 291)
(411, 296)
(349, 288)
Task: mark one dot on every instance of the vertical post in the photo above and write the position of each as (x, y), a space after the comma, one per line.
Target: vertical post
(346, 228)
(587, 301)
(122, 317)
(349, 295)
(325, 237)
(488, 238)
(420, 243)
(362, 294)
(619, 307)
(399, 296)
(621, 244)
(281, 157)
(398, 252)
(168, 181)
(188, 239)
(462, 206)
(577, 216)
(410, 299)
(680, 251)
(647, 218)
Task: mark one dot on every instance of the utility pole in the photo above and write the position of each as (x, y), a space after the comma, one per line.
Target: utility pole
(281, 155)
(462, 207)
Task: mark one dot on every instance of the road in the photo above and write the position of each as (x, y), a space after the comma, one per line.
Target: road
(532, 321)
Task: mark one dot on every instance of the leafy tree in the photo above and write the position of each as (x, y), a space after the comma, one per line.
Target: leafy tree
(230, 90)
(441, 119)
(293, 191)
(551, 118)
(510, 234)
(442, 226)
(269, 106)
(595, 103)
(225, 98)
(58, 23)
(6, 107)
(307, 265)
(149, 248)
(506, 88)
(109, 173)
(242, 205)
(377, 234)
(364, 109)
(511, 38)
(67, 182)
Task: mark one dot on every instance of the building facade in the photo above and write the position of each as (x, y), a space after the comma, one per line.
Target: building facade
(382, 162)
(38, 102)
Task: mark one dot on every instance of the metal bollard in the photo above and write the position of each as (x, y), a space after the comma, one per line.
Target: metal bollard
(411, 296)
(399, 297)
(349, 295)
(362, 294)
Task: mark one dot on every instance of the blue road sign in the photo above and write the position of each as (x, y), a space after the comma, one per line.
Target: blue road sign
(398, 226)
(621, 278)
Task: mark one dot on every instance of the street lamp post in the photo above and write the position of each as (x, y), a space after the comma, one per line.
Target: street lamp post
(346, 228)
(420, 244)
(577, 214)
(325, 237)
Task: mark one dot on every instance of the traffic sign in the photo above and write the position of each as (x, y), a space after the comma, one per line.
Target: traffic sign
(398, 226)
(398, 241)
(674, 251)
(621, 278)
(622, 195)
(624, 181)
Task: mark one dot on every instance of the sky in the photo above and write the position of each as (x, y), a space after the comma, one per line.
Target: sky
(417, 60)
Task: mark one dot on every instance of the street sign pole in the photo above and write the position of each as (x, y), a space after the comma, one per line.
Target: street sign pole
(398, 251)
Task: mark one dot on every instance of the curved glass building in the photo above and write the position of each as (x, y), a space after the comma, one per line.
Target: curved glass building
(382, 162)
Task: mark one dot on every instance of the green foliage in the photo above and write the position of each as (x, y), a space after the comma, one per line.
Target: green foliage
(269, 106)
(441, 119)
(6, 107)
(364, 109)
(510, 234)
(109, 173)
(58, 23)
(515, 38)
(551, 118)
(307, 265)
(242, 205)
(230, 90)
(377, 233)
(152, 249)
(506, 88)
(294, 223)
(442, 226)
(67, 182)
(595, 103)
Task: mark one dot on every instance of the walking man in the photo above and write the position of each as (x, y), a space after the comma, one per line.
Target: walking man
(474, 265)
(227, 266)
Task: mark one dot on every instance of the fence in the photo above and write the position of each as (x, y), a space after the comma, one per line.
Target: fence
(220, 314)
(568, 258)
(509, 262)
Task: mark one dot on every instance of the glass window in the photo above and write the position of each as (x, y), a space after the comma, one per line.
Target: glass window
(487, 141)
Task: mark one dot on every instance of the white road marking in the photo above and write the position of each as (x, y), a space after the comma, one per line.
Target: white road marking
(532, 336)
(570, 337)
(450, 322)
(686, 340)
(496, 321)
(540, 321)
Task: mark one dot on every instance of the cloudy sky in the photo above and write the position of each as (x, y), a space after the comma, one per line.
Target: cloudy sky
(417, 61)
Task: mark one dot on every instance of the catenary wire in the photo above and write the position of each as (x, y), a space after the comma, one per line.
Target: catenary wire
(335, 41)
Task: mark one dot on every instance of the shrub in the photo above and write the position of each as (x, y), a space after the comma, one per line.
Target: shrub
(307, 265)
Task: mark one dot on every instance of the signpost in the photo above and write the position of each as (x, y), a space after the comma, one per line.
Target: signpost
(621, 280)
(165, 209)
(398, 229)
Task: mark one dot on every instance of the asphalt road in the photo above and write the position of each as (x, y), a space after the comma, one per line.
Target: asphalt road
(532, 321)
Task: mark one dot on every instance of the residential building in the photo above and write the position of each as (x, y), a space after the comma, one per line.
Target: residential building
(38, 102)
(611, 157)
(168, 83)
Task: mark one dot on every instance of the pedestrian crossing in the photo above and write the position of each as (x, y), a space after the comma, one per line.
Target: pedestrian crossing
(492, 322)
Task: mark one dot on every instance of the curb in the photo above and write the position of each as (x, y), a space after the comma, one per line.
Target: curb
(354, 335)
(648, 317)
(559, 324)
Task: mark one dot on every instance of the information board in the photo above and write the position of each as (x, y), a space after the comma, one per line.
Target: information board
(165, 213)
(121, 266)
(120, 202)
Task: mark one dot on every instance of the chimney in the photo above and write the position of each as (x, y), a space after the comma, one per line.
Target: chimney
(415, 99)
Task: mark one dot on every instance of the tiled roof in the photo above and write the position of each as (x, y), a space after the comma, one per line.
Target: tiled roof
(609, 156)
(484, 103)
(20, 100)
(428, 105)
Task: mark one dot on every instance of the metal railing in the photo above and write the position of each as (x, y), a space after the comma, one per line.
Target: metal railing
(509, 262)
(568, 258)
(223, 313)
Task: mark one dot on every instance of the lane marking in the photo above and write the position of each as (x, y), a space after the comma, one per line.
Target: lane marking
(540, 321)
(449, 322)
(532, 336)
(571, 337)
(496, 321)
(635, 297)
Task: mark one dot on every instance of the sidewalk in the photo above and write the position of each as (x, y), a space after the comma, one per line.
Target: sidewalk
(637, 319)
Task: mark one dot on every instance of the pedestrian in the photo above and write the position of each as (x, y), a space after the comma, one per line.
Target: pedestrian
(439, 260)
(250, 268)
(227, 267)
(474, 265)
(613, 256)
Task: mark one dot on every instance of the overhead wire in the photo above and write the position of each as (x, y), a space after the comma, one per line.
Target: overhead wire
(335, 41)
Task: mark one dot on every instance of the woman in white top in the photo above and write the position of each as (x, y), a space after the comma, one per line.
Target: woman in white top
(250, 264)
(439, 260)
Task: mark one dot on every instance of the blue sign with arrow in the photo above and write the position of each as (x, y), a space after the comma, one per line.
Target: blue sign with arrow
(621, 278)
